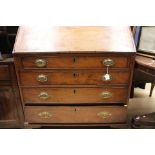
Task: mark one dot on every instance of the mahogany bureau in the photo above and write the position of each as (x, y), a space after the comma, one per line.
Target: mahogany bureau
(74, 76)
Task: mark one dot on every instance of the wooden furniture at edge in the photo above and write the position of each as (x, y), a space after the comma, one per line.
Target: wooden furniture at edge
(74, 76)
(144, 71)
(11, 113)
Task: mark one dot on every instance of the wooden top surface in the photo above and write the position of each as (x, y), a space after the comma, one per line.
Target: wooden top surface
(74, 39)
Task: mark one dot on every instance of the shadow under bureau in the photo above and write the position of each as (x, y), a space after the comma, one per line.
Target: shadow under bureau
(74, 76)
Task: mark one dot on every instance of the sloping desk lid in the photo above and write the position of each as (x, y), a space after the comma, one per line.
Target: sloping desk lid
(74, 39)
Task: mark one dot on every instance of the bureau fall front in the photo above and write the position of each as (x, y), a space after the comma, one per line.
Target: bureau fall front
(74, 76)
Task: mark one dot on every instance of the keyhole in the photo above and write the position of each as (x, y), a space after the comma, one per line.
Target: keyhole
(74, 91)
(76, 109)
(74, 75)
(74, 60)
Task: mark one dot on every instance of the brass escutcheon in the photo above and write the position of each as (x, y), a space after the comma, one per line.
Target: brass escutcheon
(104, 114)
(45, 114)
(40, 62)
(43, 95)
(108, 62)
(106, 94)
(42, 78)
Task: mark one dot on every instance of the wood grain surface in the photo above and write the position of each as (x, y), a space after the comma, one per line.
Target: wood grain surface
(4, 72)
(74, 95)
(74, 77)
(76, 114)
(73, 64)
(74, 39)
(72, 61)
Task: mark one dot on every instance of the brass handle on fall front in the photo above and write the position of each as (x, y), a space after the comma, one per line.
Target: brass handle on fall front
(104, 114)
(43, 95)
(42, 78)
(108, 62)
(40, 62)
(45, 114)
(106, 94)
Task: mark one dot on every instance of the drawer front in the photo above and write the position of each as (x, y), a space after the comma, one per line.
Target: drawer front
(74, 62)
(93, 77)
(74, 95)
(75, 114)
(4, 72)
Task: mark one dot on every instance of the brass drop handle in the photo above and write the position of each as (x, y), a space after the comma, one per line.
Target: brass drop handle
(45, 114)
(40, 62)
(106, 94)
(107, 77)
(42, 78)
(104, 114)
(108, 62)
(43, 95)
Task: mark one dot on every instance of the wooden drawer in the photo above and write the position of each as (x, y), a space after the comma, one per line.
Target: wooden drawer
(73, 62)
(4, 72)
(74, 95)
(76, 77)
(75, 114)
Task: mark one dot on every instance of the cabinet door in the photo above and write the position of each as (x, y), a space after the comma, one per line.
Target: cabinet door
(8, 108)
